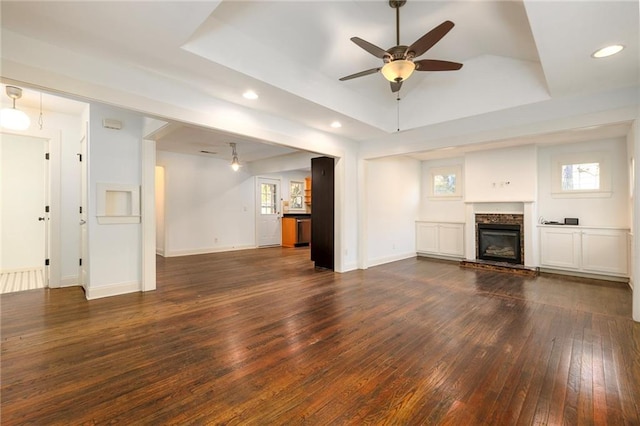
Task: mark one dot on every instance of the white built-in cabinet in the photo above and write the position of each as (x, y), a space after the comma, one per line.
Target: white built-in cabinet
(585, 249)
(440, 239)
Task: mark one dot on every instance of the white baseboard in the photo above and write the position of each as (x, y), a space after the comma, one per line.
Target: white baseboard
(585, 275)
(388, 259)
(112, 290)
(440, 256)
(351, 266)
(191, 252)
(160, 251)
(69, 281)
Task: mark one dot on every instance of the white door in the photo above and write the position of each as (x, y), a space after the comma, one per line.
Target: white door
(23, 196)
(82, 272)
(268, 225)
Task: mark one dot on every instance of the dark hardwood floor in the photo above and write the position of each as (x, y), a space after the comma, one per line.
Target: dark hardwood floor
(260, 337)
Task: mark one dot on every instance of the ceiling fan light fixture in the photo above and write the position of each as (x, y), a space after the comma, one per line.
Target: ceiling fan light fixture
(607, 51)
(12, 118)
(398, 70)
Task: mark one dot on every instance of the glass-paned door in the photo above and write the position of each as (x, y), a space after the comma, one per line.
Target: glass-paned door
(268, 225)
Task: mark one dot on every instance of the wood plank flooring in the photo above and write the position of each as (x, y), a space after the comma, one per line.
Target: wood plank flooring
(260, 337)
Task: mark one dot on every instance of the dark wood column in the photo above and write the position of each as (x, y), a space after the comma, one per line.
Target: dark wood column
(322, 211)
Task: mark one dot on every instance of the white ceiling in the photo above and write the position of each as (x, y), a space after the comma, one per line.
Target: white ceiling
(293, 52)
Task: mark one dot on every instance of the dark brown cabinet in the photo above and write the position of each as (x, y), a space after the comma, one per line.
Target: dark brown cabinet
(322, 212)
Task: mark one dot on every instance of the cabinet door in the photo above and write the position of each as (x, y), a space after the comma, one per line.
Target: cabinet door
(604, 251)
(451, 239)
(560, 248)
(427, 237)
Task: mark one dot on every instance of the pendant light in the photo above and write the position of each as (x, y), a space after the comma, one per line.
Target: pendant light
(12, 118)
(235, 164)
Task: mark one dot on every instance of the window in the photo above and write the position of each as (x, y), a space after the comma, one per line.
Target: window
(445, 182)
(577, 177)
(296, 194)
(581, 174)
(268, 198)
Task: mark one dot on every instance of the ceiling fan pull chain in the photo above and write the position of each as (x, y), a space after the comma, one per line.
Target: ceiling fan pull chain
(398, 110)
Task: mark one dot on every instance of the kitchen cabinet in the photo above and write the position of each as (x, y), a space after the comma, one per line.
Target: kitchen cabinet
(307, 191)
(585, 249)
(440, 239)
(296, 231)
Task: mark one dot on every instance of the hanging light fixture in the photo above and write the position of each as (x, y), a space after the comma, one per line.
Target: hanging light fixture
(398, 70)
(12, 118)
(235, 164)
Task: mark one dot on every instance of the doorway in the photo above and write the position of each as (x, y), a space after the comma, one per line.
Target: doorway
(24, 216)
(268, 224)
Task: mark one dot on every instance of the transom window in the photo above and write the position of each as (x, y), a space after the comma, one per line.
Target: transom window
(581, 174)
(579, 177)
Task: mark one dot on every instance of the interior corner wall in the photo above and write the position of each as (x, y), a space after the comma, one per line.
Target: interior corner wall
(392, 203)
(159, 209)
(68, 131)
(634, 144)
(208, 207)
(114, 157)
(347, 220)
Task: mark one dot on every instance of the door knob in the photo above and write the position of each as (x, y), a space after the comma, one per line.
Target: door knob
(40, 218)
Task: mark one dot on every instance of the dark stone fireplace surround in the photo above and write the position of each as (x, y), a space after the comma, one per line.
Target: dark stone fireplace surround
(501, 219)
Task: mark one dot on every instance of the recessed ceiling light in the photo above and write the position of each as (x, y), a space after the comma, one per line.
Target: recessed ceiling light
(250, 94)
(607, 51)
(336, 124)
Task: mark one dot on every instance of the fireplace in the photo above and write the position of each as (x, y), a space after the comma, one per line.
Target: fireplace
(499, 242)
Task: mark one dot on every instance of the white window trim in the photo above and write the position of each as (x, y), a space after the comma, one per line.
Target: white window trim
(602, 158)
(446, 170)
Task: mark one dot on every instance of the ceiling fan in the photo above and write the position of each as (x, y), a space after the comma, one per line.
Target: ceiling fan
(399, 61)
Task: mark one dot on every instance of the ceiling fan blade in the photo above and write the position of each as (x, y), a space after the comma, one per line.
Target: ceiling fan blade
(436, 65)
(371, 48)
(428, 40)
(361, 74)
(395, 86)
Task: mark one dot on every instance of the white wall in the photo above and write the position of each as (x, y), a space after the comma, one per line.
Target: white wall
(392, 204)
(115, 157)
(159, 209)
(208, 206)
(607, 211)
(501, 175)
(438, 210)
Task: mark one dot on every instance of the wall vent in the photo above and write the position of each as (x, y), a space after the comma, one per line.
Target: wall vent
(112, 124)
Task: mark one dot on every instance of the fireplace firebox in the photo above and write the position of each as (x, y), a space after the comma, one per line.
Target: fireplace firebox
(499, 242)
